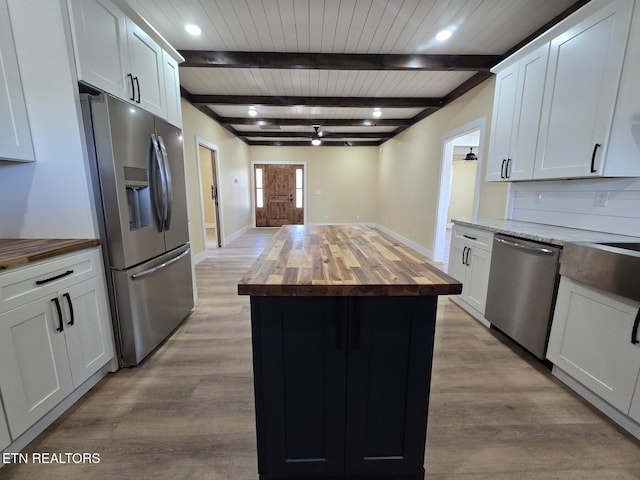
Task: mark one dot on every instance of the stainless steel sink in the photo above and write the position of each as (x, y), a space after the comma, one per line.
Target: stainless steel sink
(625, 246)
(613, 267)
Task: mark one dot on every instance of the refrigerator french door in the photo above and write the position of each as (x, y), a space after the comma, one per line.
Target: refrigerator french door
(139, 185)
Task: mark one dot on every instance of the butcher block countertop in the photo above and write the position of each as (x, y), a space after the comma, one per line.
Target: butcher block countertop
(338, 260)
(15, 252)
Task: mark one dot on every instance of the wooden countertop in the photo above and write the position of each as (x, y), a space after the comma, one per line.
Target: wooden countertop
(15, 252)
(310, 260)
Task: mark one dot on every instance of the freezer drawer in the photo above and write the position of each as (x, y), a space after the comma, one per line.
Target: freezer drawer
(152, 299)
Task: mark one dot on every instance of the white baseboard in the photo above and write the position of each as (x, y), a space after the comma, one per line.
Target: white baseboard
(410, 243)
(618, 417)
(197, 258)
(231, 238)
(470, 310)
(27, 437)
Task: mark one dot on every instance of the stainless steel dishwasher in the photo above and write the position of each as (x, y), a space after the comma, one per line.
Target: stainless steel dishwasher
(523, 282)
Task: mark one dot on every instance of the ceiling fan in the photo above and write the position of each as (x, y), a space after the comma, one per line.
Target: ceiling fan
(315, 139)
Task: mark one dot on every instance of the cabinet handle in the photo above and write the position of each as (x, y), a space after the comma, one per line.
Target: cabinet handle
(502, 168)
(133, 89)
(464, 250)
(138, 85)
(469, 237)
(466, 260)
(60, 322)
(71, 315)
(56, 277)
(507, 172)
(593, 157)
(634, 332)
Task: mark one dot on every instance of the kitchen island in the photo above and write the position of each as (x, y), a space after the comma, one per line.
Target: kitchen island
(343, 321)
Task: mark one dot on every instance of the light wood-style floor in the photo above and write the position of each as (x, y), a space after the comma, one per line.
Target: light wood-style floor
(187, 412)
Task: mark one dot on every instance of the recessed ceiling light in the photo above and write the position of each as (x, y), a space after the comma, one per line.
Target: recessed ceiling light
(377, 112)
(193, 29)
(443, 35)
(252, 111)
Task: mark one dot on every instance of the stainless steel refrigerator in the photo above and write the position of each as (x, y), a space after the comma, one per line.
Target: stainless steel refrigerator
(138, 179)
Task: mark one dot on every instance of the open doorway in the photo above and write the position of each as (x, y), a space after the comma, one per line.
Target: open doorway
(208, 169)
(460, 178)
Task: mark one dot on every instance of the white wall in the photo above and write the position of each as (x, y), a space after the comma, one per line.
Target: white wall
(341, 181)
(574, 204)
(50, 197)
(234, 178)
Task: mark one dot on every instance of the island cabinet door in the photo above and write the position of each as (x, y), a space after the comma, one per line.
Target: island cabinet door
(299, 354)
(388, 381)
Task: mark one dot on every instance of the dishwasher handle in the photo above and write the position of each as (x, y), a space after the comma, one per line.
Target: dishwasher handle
(525, 247)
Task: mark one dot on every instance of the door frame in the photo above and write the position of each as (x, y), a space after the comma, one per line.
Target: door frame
(305, 175)
(444, 189)
(201, 142)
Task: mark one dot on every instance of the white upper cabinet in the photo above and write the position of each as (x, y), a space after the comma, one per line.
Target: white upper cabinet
(516, 117)
(99, 30)
(146, 70)
(15, 134)
(557, 99)
(116, 56)
(585, 64)
(172, 89)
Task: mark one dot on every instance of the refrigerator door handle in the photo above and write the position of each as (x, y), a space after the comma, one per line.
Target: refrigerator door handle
(144, 273)
(158, 191)
(169, 188)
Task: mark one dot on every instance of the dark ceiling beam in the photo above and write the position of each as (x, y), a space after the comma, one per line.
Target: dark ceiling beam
(208, 112)
(323, 122)
(337, 61)
(325, 143)
(328, 135)
(289, 101)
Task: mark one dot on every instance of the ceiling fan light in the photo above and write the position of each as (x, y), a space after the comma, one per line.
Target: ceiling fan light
(315, 141)
(377, 112)
(252, 111)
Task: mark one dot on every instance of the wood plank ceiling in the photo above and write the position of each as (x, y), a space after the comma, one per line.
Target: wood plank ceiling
(330, 63)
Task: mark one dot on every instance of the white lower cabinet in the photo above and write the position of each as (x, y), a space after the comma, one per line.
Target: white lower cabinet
(51, 345)
(5, 439)
(469, 262)
(591, 341)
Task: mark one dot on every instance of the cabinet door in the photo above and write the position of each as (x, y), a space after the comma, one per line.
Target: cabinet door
(300, 377)
(526, 121)
(477, 278)
(457, 267)
(582, 81)
(5, 439)
(146, 68)
(389, 372)
(591, 341)
(87, 329)
(502, 125)
(172, 89)
(15, 134)
(99, 41)
(34, 368)
(634, 410)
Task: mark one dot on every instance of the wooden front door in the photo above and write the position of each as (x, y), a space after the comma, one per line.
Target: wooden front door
(279, 195)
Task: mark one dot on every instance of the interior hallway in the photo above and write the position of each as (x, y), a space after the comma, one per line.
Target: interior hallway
(187, 413)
